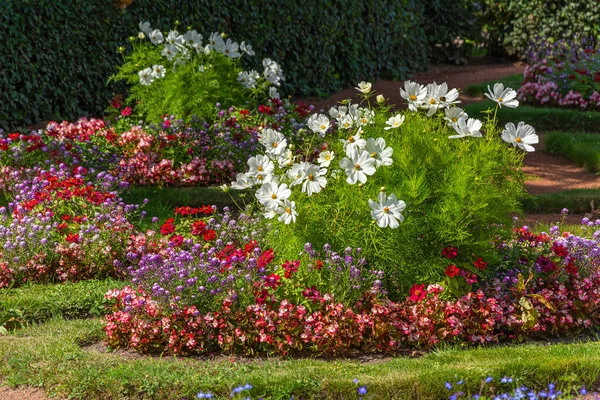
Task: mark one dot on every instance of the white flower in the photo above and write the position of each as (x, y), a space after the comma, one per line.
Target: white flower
(414, 94)
(193, 39)
(272, 72)
(272, 195)
(215, 42)
(274, 142)
(141, 35)
(381, 154)
(260, 167)
(394, 122)
(522, 135)
(242, 181)
(364, 87)
(287, 212)
(145, 27)
(169, 51)
(248, 79)
(146, 76)
(273, 93)
(314, 179)
(286, 159)
(318, 123)
(453, 114)
(364, 116)
(231, 49)
(380, 99)
(156, 37)
(438, 97)
(345, 122)
(466, 127)
(357, 166)
(338, 112)
(386, 210)
(246, 48)
(354, 142)
(296, 173)
(158, 71)
(325, 158)
(175, 38)
(503, 97)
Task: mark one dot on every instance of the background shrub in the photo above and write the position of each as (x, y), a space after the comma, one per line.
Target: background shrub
(57, 56)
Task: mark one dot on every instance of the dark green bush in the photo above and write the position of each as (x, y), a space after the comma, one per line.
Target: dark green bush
(57, 55)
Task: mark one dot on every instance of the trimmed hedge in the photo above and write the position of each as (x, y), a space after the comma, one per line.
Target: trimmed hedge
(57, 55)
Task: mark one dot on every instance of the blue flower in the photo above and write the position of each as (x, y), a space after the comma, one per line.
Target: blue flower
(448, 385)
(362, 390)
(488, 379)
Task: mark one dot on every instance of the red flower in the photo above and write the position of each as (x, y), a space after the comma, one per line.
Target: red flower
(572, 269)
(597, 77)
(417, 293)
(452, 271)
(248, 248)
(176, 240)
(264, 109)
(198, 227)
(272, 281)
(450, 252)
(290, 267)
(206, 210)
(72, 238)
(168, 227)
(244, 112)
(116, 102)
(319, 264)
(266, 258)
(62, 227)
(13, 136)
(545, 264)
(209, 235)
(126, 111)
(480, 264)
(559, 250)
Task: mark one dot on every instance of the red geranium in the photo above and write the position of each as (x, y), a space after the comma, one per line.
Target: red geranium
(452, 271)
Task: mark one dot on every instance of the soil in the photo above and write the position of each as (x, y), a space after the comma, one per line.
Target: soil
(22, 393)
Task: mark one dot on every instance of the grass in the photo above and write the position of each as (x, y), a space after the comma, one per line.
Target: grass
(37, 303)
(541, 118)
(577, 201)
(581, 148)
(513, 81)
(51, 356)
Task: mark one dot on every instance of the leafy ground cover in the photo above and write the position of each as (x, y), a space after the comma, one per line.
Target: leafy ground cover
(581, 148)
(55, 356)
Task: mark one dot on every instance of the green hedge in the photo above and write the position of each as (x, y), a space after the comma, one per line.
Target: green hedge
(57, 55)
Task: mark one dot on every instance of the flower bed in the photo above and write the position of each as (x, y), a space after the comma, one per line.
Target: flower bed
(562, 73)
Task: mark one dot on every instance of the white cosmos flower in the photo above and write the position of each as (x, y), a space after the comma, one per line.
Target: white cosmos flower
(381, 154)
(394, 122)
(453, 114)
(175, 38)
(272, 72)
(146, 77)
(169, 51)
(503, 97)
(215, 42)
(357, 166)
(522, 135)
(273, 93)
(325, 158)
(314, 179)
(286, 159)
(260, 166)
(364, 116)
(242, 181)
(439, 97)
(231, 49)
(287, 212)
(338, 112)
(414, 94)
(272, 195)
(345, 122)
(158, 71)
(296, 173)
(354, 142)
(145, 27)
(248, 78)
(364, 87)
(386, 211)
(193, 39)
(466, 127)
(274, 142)
(318, 123)
(156, 37)
(246, 48)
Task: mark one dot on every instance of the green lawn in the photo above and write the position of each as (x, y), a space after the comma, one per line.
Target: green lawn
(512, 81)
(51, 356)
(581, 148)
(577, 201)
(543, 119)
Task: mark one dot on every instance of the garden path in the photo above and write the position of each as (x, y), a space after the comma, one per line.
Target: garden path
(22, 393)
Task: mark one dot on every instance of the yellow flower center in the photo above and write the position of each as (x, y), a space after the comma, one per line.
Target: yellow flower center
(275, 145)
(357, 166)
(374, 154)
(443, 98)
(364, 120)
(412, 97)
(311, 177)
(351, 139)
(454, 119)
(323, 127)
(260, 168)
(260, 177)
(386, 210)
(288, 210)
(274, 196)
(500, 99)
(518, 140)
(327, 157)
(432, 101)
